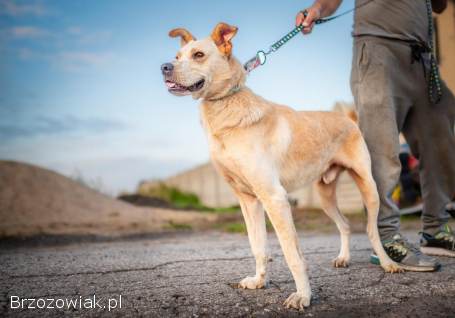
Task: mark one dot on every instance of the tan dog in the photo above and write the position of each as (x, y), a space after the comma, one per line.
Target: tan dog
(264, 150)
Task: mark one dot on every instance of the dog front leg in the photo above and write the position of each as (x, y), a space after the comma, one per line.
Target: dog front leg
(279, 212)
(253, 213)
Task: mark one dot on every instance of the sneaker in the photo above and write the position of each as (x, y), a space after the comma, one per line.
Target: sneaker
(407, 256)
(440, 244)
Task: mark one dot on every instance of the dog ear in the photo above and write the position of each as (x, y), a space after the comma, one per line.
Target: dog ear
(184, 34)
(222, 35)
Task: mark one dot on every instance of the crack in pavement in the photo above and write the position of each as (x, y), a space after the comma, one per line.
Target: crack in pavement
(376, 282)
(271, 282)
(238, 292)
(126, 270)
(275, 283)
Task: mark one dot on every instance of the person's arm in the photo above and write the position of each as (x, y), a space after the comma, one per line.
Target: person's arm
(319, 9)
(438, 5)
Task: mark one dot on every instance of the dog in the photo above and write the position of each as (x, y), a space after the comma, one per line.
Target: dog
(265, 150)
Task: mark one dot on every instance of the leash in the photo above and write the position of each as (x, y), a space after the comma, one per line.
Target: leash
(261, 56)
(434, 83)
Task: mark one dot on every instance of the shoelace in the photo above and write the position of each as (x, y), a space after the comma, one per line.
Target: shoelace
(402, 246)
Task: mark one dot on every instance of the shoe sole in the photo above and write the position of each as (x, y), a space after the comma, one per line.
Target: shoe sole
(375, 260)
(437, 251)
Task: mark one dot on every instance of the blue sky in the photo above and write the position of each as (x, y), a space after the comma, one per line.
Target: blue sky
(81, 90)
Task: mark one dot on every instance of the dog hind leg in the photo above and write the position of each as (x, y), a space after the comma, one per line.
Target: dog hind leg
(361, 173)
(327, 194)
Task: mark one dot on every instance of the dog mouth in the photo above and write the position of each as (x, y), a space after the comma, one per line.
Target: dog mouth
(175, 87)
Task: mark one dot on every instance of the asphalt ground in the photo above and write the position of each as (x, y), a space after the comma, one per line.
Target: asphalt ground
(192, 274)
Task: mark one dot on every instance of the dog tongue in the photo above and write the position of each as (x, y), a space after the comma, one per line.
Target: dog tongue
(170, 84)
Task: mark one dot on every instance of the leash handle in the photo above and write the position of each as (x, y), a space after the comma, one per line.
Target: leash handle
(320, 20)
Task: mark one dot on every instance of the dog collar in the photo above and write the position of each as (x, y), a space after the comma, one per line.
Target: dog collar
(231, 92)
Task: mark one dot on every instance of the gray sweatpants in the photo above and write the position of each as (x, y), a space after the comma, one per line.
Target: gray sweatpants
(391, 96)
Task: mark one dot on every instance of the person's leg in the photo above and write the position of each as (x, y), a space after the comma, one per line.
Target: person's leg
(377, 109)
(430, 133)
(382, 83)
(429, 130)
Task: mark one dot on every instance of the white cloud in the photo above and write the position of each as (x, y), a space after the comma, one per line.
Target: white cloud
(95, 37)
(48, 125)
(70, 61)
(86, 37)
(80, 60)
(13, 8)
(27, 32)
(26, 54)
(74, 30)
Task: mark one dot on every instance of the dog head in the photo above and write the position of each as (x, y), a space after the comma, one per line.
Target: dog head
(203, 68)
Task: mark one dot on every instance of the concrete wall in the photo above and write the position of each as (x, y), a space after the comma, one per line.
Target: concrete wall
(213, 191)
(206, 183)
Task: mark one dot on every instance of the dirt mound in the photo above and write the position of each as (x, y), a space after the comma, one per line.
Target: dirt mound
(34, 200)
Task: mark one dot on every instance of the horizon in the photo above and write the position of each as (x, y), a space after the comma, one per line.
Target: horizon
(83, 93)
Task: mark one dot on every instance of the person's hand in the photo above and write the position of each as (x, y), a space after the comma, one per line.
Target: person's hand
(314, 13)
(438, 5)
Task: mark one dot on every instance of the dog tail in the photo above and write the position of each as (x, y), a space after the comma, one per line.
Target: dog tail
(352, 114)
(348, 110)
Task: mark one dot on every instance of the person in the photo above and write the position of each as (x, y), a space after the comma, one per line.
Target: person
(396, 88)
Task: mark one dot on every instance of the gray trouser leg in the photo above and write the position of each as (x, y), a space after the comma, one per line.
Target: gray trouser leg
(377, 111)
(429, 130)
(379, 129)
(391, 96)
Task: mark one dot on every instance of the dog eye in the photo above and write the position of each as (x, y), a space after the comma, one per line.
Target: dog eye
(198, 55)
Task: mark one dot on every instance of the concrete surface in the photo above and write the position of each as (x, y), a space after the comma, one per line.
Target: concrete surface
(190, 275)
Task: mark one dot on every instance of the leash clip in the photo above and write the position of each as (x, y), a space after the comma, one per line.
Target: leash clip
(259, 59)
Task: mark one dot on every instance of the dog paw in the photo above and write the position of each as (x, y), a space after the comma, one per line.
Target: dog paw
(340, 262)
(392, 268)
(252, 283)
(297, 301)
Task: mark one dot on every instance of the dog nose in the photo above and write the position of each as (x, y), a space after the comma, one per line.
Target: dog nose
(167, 68)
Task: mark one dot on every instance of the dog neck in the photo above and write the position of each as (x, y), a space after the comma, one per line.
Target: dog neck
(236, 110)
(233, 105)
(228, 82)
(235, 89)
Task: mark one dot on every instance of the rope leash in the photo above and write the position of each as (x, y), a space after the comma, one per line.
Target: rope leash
(434, 85)
(261, 56)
